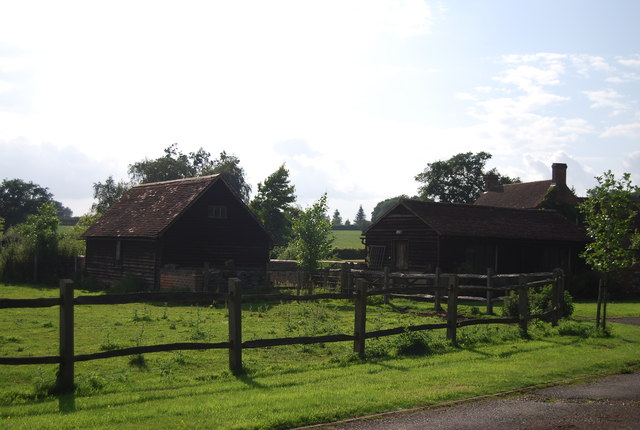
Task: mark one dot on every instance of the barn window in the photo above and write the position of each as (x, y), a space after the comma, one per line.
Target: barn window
(217, 212)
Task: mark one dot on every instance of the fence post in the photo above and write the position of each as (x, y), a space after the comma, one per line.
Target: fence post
(452, 308)
(437, 295)
(344, 278)
(360, 321)
(489, 291)
(523, 305)
(386, 284)
(235, 325)
(65, 383)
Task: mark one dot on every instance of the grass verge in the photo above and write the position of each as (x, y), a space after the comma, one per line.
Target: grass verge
(286, 386)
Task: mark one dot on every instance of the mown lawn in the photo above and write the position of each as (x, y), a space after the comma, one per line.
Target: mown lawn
(283, 386)
(347, 239)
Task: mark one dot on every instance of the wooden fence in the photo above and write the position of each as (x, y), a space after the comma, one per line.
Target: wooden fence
(367, 283)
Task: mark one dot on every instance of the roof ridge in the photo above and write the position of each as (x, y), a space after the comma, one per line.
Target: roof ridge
(173, 181)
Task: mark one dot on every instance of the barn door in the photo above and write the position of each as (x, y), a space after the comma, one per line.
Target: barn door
(401, 254)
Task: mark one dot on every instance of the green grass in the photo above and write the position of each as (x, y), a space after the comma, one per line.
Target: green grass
(283, 386)
(347, 239)
(616, 308)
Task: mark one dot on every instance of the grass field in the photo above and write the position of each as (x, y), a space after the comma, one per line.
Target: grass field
(347, 239)
(283, 386)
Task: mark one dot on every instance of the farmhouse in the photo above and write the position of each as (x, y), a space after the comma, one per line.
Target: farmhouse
(421, 236)
(165, 232)
(548, 194)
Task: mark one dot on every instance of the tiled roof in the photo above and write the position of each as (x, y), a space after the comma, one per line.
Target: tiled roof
(526, 195)
(450, 219)
(146, 210)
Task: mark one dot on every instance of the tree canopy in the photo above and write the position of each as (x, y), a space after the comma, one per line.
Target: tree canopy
(312, 235)
(336, 220)
(459, 179)
(611, 216)
(361, 219)
(382, 207)
(177, 165)
(107, 193)
(273, 205)
(19, 199)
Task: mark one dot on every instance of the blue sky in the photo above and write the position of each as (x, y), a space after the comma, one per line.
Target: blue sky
(356, 97)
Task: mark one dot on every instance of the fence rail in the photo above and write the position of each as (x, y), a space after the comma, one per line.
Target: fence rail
(446, 287)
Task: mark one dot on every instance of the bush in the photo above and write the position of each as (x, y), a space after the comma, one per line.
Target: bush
(349, 253)
(540, 301)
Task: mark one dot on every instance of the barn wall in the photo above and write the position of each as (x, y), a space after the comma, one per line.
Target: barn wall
(402, 225)
(137, 258)
(196, 238)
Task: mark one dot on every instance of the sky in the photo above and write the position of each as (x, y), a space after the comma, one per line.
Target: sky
(354, 97)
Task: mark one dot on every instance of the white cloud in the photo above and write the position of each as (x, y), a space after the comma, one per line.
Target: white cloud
(631, 165)
(630, 130)
(607, 99)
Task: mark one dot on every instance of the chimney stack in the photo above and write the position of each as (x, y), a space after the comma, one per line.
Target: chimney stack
(559, 174)
(490, 181)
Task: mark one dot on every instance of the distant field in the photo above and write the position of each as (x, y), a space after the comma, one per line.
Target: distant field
(347, 239)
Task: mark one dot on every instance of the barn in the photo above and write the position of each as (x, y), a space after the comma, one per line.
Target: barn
(422, 236)
(164, 233)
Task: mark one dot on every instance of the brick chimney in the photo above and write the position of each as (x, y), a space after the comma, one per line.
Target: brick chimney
(559, 174)
(490, 181)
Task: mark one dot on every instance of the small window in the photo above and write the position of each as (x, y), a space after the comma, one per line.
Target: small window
(217, 212)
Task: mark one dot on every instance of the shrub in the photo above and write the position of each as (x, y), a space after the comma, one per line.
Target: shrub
(412, 343)
(540, 301)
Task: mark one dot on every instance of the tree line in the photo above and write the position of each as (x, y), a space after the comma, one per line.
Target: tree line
(29, 216)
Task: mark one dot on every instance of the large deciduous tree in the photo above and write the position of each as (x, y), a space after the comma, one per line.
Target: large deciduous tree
(459, 179)
(177, 165)
(610, 218)
(107, 193)
(273, 205)
(382, 207)
(312, 235)
(19, 199)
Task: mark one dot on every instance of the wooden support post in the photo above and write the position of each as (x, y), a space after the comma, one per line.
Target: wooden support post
(489, 291)
(65, 383)
(386, 285)
(235, 325)
(523, 305)
(205, 277)
(350, 278)
(325, 278)
(360, 322)
(437, 292)
(452, 308)
(599, 303)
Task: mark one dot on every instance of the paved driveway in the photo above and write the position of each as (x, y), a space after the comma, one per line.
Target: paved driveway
(612, 402)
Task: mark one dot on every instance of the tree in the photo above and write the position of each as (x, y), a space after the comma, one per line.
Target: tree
(176, 165)
(272, 205)
(361, 219)
(312, 235)
(19, 199)
(382, 207)
(610, 214)
(41, 229)
(173, 165)
(229, 167)
(107, 194)
(337, 219)
(63, 211)
(459, 179)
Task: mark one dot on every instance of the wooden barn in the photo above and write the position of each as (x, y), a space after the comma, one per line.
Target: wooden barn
(165, 233)
(421, 236)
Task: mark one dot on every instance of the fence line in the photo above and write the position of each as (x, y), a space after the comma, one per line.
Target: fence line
(234, 299)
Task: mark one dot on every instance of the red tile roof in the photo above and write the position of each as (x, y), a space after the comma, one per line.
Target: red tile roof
(526, 195)
(147, 210)
(450, 219)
